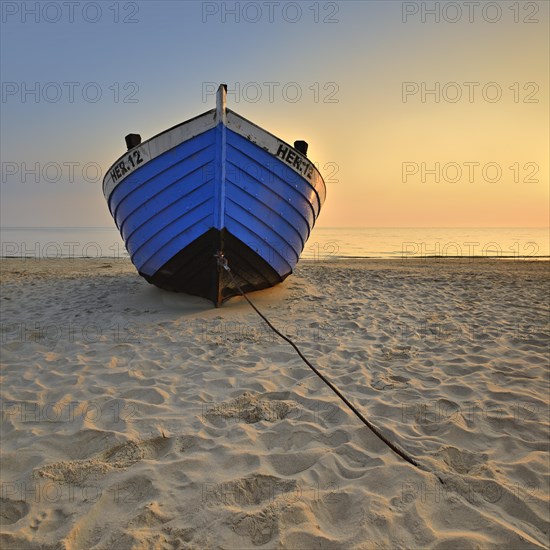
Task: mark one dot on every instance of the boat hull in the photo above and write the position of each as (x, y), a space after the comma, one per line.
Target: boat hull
(195, 270)
(216, 183)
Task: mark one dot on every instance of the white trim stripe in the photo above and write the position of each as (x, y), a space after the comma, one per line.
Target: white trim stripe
(156, 146)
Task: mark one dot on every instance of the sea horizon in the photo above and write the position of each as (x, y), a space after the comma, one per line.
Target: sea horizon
(324, 243)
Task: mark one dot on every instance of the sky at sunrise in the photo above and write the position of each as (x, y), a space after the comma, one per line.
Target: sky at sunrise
(418, 114)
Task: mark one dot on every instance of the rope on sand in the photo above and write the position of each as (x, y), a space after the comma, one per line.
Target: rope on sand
(222, 263)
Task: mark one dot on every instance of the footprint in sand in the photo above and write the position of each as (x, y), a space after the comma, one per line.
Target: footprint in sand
(251, 409)
(253, 490)
(49, 521)
(178, 536)
(11, 511)
(389, 382)
(338, 508)
(400, 352)
(150, 515)
(462, 461)
(259, 527)
(79, 472)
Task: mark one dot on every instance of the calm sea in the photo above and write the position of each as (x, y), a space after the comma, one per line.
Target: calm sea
(324, 243)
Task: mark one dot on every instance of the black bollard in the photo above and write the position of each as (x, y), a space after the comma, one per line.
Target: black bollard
(301, 147)
(132, 140)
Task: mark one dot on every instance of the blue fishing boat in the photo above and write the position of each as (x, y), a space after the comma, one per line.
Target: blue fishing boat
(214, 187)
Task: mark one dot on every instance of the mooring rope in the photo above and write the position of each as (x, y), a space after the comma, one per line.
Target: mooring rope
(222, 262)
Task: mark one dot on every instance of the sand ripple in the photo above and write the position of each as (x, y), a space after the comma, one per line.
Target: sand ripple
(134, 418)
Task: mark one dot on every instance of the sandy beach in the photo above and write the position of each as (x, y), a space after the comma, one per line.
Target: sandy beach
(133, 418)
